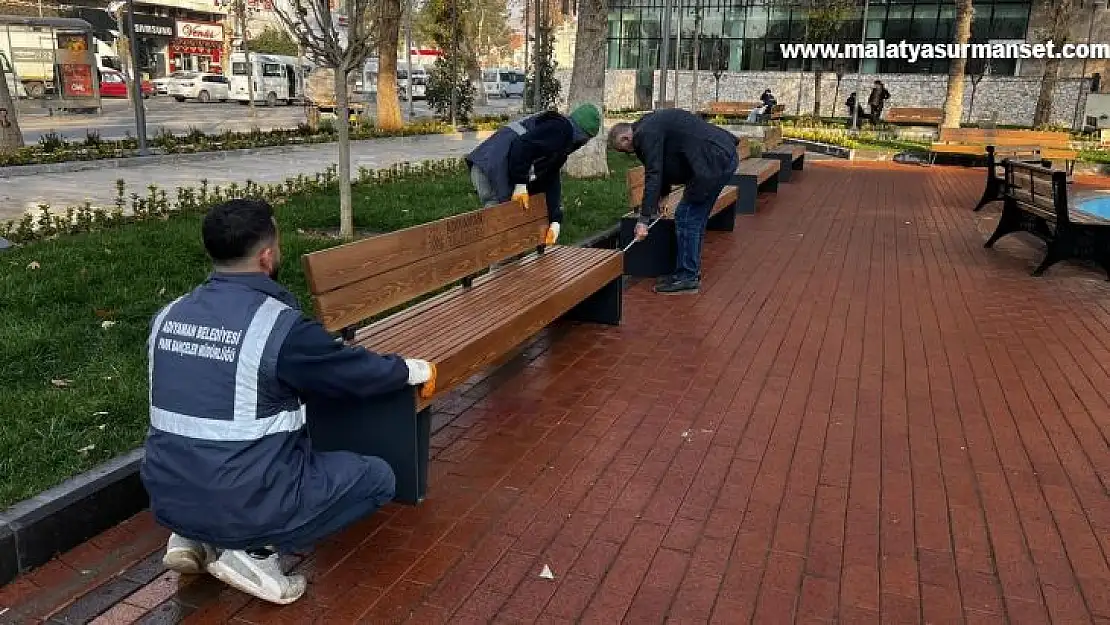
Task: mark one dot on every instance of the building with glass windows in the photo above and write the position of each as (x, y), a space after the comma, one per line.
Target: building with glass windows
(744, 35)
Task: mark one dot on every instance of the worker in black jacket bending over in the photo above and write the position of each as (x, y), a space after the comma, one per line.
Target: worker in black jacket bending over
(679, 148)
(524, 157)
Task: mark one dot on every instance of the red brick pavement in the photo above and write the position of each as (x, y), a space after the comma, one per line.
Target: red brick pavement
(865, 417)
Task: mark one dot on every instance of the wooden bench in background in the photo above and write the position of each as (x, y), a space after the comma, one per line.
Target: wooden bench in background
(1043, 145)
(752, 176)
(741, 109)
(915, 116)
(461, 330)
(1035, 200)
(657, 254)
(791, 157)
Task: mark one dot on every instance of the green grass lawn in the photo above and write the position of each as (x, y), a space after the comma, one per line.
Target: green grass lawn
(75, 312)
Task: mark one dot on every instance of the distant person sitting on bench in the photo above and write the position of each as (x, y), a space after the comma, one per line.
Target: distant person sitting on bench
(767, 105)
(229, 465)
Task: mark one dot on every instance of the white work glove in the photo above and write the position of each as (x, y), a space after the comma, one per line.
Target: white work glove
(552, 233)
(420, 371)
(520, 194)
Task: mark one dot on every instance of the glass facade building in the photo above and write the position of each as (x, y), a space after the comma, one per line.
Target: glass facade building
(742, 35)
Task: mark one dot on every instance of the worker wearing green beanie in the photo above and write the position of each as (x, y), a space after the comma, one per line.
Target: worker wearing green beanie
(525, 157)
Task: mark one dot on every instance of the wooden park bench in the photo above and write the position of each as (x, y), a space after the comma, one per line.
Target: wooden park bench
(741, 109)
(1045, 146)
(791, 157)
(1035, 200)
(466, 320)
(657, 254)
(916, 116)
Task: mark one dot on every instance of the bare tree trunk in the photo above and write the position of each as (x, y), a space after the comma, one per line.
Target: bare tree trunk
(389, 33)
(954, 98)
(587, 84)
(481, 98)
(1043, 113)
(11, 137)
(342, 113)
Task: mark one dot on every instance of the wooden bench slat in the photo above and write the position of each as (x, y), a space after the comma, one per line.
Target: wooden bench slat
(358, 280)
(553, 283)
(911, 114)
(504, 291)
(761, 168)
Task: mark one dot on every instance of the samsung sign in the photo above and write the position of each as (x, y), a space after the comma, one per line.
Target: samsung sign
(151, 25)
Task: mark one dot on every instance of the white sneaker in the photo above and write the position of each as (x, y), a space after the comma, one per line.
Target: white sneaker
(258, 577)
(187, 557)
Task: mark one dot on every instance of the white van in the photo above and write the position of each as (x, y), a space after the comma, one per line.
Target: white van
(276, 78)
(503, 82)
(15, 85)
(368, 81)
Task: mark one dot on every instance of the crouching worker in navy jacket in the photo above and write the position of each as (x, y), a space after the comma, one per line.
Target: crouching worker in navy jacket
(525, 157)
(229, 465)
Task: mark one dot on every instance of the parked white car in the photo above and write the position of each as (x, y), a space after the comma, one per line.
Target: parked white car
(503, 82)
(162, 85)
(200, 87)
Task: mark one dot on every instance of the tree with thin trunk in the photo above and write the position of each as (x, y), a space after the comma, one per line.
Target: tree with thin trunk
(11, 137)
(389, 36)
(587, 84)
(957, 68)
(1058, 16)
(317, 28)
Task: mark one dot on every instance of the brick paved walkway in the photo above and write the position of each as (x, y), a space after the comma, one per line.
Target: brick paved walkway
(865, 417)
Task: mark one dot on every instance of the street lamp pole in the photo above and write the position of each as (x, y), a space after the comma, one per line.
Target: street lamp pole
(136, 80)
(408, 59)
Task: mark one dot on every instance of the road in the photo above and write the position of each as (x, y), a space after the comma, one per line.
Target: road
(164, 113)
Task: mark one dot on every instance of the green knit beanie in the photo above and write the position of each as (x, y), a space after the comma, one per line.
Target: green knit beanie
(588, 118)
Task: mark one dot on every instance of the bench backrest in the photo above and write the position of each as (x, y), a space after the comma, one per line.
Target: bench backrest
(980, 136)
(731, 108)
(1042, 189)
(353, 282)
(772, 137)
(635, 178)
(911, 113)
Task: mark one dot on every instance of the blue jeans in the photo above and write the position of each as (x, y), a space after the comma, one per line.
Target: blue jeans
(690, 220)
(376, 488)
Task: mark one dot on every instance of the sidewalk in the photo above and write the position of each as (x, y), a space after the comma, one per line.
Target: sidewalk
(61, 190)
(864, 417)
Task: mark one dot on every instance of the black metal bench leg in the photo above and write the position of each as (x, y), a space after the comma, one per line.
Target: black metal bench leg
(747, 193)
(1009, 221)
(724, 221)
(655, 255)
(603, 306)
(1054, 254)
(992, 193)
(785, 165)
(388, 427)
(771, 184)
(799, 162)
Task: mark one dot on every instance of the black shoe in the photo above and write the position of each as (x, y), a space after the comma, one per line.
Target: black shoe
(664, 279)
(678, 287)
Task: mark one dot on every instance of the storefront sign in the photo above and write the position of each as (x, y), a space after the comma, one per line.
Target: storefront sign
(152, 25)
(201, 31)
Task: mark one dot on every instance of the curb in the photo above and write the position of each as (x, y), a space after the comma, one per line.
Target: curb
(822, 148)
(15, 171)
(35, 530)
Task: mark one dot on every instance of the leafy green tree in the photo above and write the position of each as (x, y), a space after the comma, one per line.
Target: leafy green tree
(273, 41)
